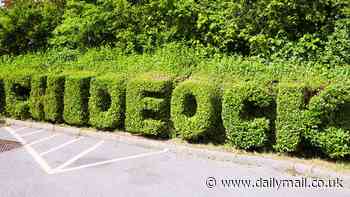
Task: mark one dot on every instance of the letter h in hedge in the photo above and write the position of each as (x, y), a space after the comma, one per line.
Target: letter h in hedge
(106, 104)
(46, 97)
(17, 88)
(249, 115)
(76, 99)
(148, 106)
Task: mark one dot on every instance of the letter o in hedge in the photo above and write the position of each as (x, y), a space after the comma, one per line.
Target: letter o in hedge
(325, 127)
(248, 110)
(106, 103)
(195, 108)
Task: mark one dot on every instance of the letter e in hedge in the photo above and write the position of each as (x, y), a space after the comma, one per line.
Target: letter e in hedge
(148, 105)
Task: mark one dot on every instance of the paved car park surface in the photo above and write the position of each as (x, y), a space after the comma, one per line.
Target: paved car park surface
(61, 164)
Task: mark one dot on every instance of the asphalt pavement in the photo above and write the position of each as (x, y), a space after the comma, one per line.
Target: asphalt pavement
(62, 164)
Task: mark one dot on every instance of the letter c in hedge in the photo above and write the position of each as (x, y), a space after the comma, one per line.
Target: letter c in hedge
(248, 110)
(17, 88)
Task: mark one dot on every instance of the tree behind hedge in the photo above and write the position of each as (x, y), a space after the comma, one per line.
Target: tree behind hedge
(27, 24)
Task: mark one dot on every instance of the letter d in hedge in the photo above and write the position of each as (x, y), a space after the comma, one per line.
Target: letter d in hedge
(195, 109)
(148, 106)
(106, 102)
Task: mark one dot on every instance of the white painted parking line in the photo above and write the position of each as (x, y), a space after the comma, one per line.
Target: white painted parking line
(60, 146)
(75, 158)
(43, 139)
(32, 133)
(20, 129)
(63, 168)
(57, 170)
(43, 164)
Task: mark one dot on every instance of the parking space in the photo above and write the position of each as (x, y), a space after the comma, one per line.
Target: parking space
(61, 164)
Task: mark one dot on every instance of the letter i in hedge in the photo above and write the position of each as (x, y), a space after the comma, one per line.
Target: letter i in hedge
(76, 99)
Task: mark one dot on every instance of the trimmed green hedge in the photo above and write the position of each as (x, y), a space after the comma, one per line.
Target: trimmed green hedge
(287, 117)
(290, 116)
(76, 98)
(106, 104)
(2, 97)
(248, 115)
(46, 97)
(148, 105)
(195, 109)
(36, 101)
(328, 120)
(17, 88)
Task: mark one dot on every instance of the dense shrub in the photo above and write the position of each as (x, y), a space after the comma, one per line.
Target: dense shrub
(195, 109)
(36, 100)
(76, 99)
(300, 30)
(248, 115)
(28, 24)
(46, 97)
(17, 88)
(327, 120)
(148, 105)
(107, 102)
(2, 97)
(290, 121)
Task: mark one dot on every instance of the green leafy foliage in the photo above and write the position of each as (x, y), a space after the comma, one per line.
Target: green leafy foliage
(76, 99)
(46, 97)
(195, 109)
(2, 97)
(28, 24)
(107, 102)
(248, 115)
(290, 116)
(148, 105)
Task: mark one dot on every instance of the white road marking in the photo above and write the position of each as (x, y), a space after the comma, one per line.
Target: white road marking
(43, 139)
(56, 171)
(43, 164)
(32, 133)
(60, 146)
(75, 158)
(62, 168)
(20, 129)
